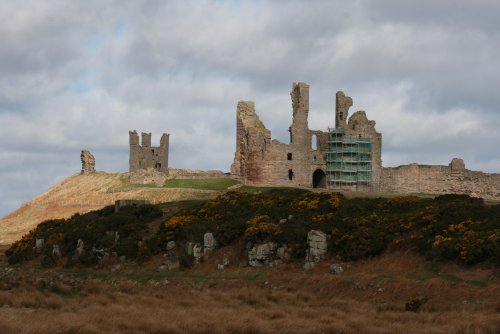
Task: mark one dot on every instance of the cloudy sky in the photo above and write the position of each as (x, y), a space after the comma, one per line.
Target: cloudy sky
(79, 74)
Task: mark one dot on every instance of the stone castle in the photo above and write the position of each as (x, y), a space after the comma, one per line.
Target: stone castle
(148, 164)
(145, 156)
(347, 157)
(310, 159)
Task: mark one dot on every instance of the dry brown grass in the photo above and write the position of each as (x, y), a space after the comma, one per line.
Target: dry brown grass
(84, 193)
(368, 298)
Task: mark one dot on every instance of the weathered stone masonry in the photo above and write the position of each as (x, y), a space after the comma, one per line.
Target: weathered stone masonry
(260, 160)
(146, 156)
(451, 179)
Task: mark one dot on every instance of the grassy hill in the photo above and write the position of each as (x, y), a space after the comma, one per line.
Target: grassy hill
(84, 193)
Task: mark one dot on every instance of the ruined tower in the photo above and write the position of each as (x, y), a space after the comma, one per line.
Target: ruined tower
(260, 160)
(145, 156)
(342, 105)
(354, 160)
(313, 158)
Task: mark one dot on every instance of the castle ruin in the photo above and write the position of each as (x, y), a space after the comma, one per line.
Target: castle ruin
(148, 164)
(347, 157)
(145, 156)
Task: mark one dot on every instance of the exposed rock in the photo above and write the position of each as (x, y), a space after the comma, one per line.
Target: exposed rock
(198, 253)
(262, 254)
(283, 253)
(336, 268)
(170, 245)
(317, 246)
(225, 260)
(209, 243)
(39, 244)
(56, 251)
(80, 247)
(220, 266)
(88, 162)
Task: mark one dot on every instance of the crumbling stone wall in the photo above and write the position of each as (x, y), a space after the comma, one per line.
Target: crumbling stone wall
(146, 156)
(358, 125)
(434, 179)
(302, 162)
(260, 160)
(88, 162)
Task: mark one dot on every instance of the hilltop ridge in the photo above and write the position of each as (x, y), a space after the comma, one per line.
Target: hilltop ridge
(83, 193)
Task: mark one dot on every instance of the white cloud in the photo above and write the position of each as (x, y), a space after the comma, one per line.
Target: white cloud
(79, 75)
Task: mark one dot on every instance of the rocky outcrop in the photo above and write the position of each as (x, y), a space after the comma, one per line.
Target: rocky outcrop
(39, 244)
(317, 247)
(336, 268)
(79, 247)
(88, 162)
(262, 254)
(197, 253)
(209, 243)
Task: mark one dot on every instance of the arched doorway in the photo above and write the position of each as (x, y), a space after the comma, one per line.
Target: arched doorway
(319, 179)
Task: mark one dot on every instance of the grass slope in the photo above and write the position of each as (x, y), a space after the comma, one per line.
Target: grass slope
(84, 193)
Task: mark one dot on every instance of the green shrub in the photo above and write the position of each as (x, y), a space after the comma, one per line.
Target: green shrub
(414, 303)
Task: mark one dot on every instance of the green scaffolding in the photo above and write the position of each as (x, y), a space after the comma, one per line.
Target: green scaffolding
(349, 160)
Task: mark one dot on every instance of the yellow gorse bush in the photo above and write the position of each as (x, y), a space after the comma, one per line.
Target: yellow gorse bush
(262, 225)
(178, 221)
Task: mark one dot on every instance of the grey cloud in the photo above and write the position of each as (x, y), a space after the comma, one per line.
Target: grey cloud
(79, 75)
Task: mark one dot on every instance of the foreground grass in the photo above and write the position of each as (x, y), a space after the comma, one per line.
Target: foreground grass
(283, 299)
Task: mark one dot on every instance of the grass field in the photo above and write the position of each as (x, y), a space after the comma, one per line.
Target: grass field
(204, 184)
(369, 297)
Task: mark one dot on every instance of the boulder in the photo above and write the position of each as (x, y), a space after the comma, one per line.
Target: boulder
(336, 268)
(262, 254)
(209, 243)
(56, 251)
(283, 253)
(39, 244)
(79, 247)
(170, 245)
(317, 246)
(197, 253)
